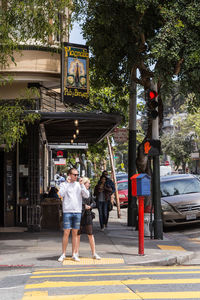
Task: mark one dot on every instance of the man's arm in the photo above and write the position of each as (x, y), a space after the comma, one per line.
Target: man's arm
(62, 190)
(84, 192)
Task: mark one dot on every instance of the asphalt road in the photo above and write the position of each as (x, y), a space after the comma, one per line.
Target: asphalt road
(188, 238)
(111, 282)
(104, 282)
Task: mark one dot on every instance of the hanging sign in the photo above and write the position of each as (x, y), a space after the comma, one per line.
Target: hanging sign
(76, 74)
(59, 153)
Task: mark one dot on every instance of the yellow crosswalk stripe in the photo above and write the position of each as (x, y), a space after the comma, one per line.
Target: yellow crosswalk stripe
(114, 274)
(114, 296)
(146, 281)
(91, 261)
(85, 288)
(172, 248)
(62, 270)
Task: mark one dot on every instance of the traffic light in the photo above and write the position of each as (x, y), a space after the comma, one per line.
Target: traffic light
(152, 147)
(152, 103)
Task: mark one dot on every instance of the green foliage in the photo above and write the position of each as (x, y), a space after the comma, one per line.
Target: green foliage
(180, 143)
(159, 38)
(13, 123)
(29, 22)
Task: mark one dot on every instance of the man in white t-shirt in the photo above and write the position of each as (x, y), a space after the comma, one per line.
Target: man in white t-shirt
(71, 192)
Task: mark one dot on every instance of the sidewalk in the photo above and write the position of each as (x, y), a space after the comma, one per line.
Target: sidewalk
(42, 249)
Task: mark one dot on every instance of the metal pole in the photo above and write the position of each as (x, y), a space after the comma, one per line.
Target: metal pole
(62, 65)
(158, 226)
(132, 201)
(114, 177)
(141, 225)
(62, 59)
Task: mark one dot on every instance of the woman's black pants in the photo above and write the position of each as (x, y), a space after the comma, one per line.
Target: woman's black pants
(103, 213)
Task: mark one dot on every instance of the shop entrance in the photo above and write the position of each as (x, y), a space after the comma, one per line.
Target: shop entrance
(1, 188)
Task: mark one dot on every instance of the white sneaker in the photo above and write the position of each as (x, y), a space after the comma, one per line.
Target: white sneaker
(61, 258)
(96, 256)
(75, 257)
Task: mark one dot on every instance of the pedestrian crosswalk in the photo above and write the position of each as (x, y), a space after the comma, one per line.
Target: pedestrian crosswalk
(114, 283)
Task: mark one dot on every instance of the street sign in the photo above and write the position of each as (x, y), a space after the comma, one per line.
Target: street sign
(60, 161)
(120, 135)
(59, 153)
(166, 163)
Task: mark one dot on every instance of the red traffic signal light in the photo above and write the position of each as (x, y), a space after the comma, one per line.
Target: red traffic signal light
(152, 103)
(152, 94)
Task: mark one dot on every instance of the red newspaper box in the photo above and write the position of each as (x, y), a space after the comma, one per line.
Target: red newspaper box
(141, 186)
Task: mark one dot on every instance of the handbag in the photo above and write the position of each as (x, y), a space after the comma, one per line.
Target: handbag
(93, 215)
(110, 206)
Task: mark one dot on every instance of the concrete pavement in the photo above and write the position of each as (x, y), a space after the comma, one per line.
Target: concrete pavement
(118, 243)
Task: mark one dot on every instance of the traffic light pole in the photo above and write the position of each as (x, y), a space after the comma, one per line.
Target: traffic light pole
(158, 225)
(132, 201)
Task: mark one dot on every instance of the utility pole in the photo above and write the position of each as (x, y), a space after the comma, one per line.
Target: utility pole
(114, 177)
(132, 201)
(158, 224)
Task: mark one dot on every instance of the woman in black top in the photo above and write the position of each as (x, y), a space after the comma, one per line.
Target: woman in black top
(87, 221)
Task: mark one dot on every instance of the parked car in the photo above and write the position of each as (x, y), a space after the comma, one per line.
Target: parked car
(122, 186)
(180, 199)
(121, 176)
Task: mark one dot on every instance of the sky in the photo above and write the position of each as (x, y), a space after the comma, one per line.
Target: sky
(76, 36)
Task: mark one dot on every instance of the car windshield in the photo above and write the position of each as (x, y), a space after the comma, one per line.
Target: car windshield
(121, 177)
(122, 186)
(180, 187)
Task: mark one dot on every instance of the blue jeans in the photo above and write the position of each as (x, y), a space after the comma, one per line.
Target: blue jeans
(103, 213)
(71, 220)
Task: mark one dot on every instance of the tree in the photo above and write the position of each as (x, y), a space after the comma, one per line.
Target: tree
(25, 23)
(180, 143)
(30, 23)
(137, 41)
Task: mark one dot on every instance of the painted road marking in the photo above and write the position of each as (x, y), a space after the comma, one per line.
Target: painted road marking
(114, 274)
(114, 296)
(94, 288)
(61, 270)
(91, 261)
(50, 284)
(195, 240)
(166, 247)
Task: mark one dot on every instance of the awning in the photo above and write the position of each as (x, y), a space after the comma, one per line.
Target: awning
(93, 126)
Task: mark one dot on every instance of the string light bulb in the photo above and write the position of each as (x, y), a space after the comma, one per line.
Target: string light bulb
(72, 141)
(77, 131)
(76, 122)
(74, 136)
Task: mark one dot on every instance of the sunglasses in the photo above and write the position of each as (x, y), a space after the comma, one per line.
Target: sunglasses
(74, 174)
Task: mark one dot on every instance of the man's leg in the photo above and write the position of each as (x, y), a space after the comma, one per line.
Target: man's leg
(76, 220)
(74, 240)
(65, 240)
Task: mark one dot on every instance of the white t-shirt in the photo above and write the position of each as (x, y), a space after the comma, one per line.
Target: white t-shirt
(72, 194)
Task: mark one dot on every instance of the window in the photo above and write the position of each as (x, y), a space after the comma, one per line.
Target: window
(180, 187)
(122, 186)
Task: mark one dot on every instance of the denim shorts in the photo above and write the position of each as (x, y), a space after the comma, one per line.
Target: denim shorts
(71, 220)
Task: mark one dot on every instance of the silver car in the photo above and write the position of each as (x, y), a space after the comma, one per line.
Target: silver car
(180, 199)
